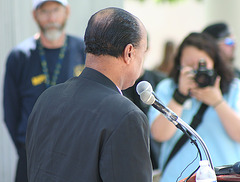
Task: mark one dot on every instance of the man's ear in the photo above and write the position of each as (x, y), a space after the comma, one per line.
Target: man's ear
(128, 53)
(68, 10)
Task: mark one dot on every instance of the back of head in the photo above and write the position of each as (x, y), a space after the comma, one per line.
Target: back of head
(218, 30)
(110, 30)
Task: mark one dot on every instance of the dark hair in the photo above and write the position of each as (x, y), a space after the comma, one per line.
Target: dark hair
(168, 57)
(206, 43)
(110, 30)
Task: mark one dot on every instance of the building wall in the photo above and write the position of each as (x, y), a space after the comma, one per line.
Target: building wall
(166, 21)
(173, 21)
(16, 25)
(227, 11)
(163, 22)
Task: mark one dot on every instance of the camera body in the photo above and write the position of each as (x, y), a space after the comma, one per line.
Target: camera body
(203, 76)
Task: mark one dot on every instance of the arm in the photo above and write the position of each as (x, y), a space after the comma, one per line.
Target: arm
(162, 129)
(11, 99)
(125, 156)
(212, 96)
(230, 120)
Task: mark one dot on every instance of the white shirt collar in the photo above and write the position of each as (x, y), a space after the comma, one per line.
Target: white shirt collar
(119, 90)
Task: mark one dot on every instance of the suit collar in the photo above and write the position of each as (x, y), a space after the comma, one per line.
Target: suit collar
(96, 76)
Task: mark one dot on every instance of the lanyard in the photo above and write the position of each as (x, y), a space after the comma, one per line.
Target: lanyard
(57, 67)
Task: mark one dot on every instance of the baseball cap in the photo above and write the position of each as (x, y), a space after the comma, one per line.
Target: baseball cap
(218, 30)
(37, 3)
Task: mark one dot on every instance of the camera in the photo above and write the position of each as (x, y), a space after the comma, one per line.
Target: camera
(203, 76)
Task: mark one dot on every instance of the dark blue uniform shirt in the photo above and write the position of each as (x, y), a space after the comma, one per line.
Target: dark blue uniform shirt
(25, 81)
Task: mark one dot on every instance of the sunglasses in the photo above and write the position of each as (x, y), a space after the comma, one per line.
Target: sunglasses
(229, 41)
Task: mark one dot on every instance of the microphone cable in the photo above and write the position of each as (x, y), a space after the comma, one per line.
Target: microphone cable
(179, 126)
(144, 89)
(186, 168)
(199, 152)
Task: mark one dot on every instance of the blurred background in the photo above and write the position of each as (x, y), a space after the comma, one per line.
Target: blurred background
(165, 20)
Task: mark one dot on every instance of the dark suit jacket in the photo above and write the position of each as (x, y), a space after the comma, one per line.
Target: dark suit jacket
(84, 130)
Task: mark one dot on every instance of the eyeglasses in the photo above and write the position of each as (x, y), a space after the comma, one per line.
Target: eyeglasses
(46, 13)
(229, 41)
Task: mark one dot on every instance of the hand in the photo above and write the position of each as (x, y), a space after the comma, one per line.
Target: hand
(186, 81)
(209, 95)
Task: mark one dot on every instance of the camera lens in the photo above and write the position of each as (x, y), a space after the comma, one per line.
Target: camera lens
(203, 80)
(204, 77)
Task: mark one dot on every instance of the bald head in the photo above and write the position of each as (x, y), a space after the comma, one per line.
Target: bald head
(110, 30)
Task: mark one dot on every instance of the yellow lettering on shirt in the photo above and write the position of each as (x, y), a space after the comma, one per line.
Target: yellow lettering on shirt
(37, 80)
(78, 70)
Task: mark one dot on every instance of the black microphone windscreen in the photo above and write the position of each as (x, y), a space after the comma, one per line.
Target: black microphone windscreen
(228, 169)
(236, 167)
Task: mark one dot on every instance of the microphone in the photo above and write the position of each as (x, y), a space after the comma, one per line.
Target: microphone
(144, 86)
(228, 169)
(145, 91)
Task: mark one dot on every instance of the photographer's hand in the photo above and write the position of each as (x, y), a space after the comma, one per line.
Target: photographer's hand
(210, 95)
(186, 80)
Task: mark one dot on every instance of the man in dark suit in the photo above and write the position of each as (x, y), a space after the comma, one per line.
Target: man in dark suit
(85, 130)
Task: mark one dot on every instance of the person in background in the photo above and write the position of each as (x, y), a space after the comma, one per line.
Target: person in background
(85, 130)
(168, 58)
(211, 102)
(226, 42)
(153, 77)
(48, 58)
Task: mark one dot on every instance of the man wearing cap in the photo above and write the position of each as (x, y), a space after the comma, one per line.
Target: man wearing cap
(48, 58)
(226, 43)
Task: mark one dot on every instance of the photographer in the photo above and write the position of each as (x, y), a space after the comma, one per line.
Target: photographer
(201, 90)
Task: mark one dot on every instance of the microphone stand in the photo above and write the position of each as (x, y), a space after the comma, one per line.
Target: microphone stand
(171, 116)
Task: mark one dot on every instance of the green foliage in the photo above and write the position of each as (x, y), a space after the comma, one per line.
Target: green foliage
(171, 1)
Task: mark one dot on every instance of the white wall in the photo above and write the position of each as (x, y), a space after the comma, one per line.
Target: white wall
(163, 21)
(81, 10)
(16, 25)
(166, 21)
(228, 11)
(175, 20)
